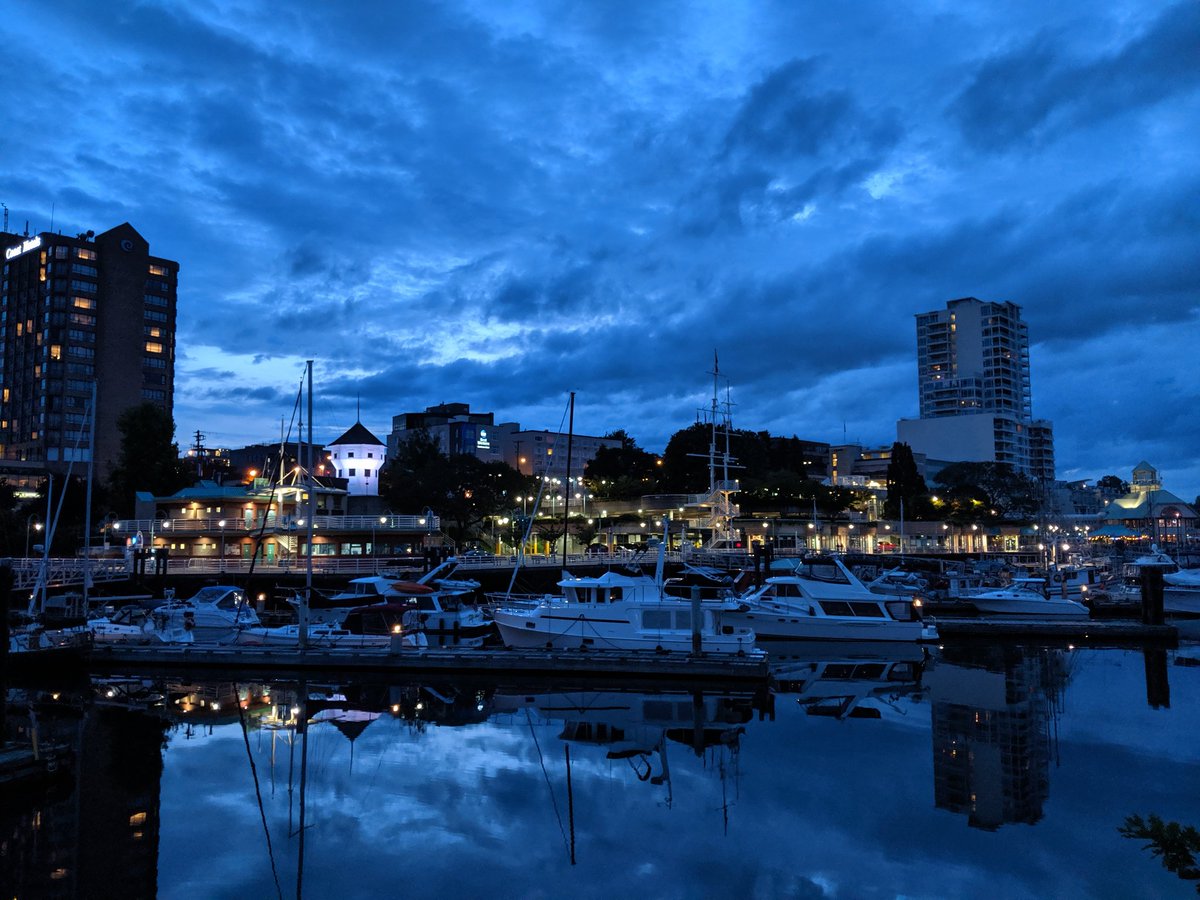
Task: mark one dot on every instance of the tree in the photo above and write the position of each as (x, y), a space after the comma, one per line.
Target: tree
(1176, 845)
(1113, 485)
(149, 458)
(585, 532)
(624, 472)
(905, 485)
(1011, 494)
(462, 489)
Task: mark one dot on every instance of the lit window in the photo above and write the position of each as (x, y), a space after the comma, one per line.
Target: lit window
(55, 353)
(154, 347)
(84, 253)
(158, 270)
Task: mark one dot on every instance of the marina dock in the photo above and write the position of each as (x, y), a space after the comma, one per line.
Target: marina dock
(1105, 632)
(598, 664)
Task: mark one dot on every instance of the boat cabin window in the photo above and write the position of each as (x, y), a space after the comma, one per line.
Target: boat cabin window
(232, 600)
(784, 589)
(836, 608)
(683, 620)
(868, 610)
(656, 619)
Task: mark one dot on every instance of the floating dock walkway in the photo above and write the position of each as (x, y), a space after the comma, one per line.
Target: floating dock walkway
(1104, 632)
(607, 665)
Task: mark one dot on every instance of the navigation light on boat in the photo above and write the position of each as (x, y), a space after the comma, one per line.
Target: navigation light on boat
(396, 629)
(918, 602)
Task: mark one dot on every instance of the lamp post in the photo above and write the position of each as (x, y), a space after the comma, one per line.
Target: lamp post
(383, 520)
(221, 525)
(30, 525)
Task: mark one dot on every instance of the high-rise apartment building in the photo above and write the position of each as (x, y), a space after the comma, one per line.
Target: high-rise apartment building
(73, 311)
(974, 389)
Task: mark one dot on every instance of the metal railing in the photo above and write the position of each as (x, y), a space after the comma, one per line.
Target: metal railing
(242, 524)
(63, 571)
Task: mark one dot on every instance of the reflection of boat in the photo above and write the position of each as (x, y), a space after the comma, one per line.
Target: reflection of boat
(216, 614)
(631, 724)
(1025, 598)
(614, 611)
(821, 599)
(852, 685)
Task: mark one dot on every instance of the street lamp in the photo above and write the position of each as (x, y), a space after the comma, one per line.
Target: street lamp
(221, 525)
(382, 521)
(30, 525)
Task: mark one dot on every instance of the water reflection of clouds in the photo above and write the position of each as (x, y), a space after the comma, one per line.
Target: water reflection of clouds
(818, 808)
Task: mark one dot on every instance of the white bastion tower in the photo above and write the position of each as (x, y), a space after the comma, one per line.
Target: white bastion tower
(358, 456)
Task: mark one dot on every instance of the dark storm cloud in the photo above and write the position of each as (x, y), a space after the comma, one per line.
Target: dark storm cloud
(497, 204)
(1041, 89)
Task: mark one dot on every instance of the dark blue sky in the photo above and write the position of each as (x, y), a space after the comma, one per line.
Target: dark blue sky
(500, 203)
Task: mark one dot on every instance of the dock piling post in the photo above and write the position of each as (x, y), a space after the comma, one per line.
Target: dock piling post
(1152, 595)
(696, 613)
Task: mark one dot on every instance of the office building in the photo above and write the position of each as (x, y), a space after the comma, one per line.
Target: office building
(974, 390)
(531, 452)
(92, 308)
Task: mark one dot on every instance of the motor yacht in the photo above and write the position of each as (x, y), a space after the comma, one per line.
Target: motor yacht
(821, 599)
(615, 611)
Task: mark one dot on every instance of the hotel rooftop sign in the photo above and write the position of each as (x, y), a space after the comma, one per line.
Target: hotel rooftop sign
(32, 244)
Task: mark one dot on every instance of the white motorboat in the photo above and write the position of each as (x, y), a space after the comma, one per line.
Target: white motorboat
(615, 611)
(1181, 592)
(438, 601)
(898, 583)
(1026, 598)
(821, 599)
(326, 636)
(216, 614)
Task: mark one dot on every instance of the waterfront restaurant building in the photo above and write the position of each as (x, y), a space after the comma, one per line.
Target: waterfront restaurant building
(211, 521)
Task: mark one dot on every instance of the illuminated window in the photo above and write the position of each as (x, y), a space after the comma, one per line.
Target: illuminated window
(158, 270)
(138, 818)
(84, 253)
(55, 353)
(83, 302)
(154, 347)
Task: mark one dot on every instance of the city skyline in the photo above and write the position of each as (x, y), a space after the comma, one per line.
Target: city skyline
(499, 205)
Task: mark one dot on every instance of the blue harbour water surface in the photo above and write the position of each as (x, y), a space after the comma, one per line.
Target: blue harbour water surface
(867, 773)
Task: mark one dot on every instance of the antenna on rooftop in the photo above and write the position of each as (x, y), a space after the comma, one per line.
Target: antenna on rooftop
(5, 205)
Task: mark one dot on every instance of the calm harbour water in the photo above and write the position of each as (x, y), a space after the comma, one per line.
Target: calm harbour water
(982, 773)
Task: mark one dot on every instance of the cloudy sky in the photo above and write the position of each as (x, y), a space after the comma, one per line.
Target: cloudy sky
(499, 203)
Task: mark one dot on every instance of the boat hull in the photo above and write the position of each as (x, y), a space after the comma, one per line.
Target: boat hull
(573, 630)
(1030, 609)
(773, 626)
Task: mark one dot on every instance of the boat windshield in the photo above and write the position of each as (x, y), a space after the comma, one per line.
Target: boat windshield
(223, 597)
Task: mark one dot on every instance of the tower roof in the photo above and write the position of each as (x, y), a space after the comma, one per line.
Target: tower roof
(358, 434)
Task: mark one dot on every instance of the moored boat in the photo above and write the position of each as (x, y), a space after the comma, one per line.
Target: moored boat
(216, 614)
(821, 599)
(614, 611)
(1026, 598)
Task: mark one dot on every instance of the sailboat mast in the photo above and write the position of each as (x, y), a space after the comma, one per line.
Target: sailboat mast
(308, 520)
(87, 505)
(567, 496)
